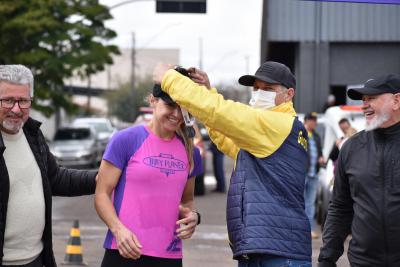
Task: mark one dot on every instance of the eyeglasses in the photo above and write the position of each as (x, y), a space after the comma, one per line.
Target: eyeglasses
(22, 103)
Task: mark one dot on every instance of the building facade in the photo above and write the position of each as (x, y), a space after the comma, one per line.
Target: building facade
(330, 45)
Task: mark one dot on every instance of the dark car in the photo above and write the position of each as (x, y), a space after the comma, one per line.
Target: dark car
(102, 126)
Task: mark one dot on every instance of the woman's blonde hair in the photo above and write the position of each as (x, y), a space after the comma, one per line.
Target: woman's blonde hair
(189, 145)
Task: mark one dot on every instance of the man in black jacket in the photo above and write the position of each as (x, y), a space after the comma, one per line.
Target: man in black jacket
(366, 193)
(29, 176)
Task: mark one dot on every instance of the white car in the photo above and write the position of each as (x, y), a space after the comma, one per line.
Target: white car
(332, 132)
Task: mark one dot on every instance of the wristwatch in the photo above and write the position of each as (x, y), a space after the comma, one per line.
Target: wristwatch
(198, 216)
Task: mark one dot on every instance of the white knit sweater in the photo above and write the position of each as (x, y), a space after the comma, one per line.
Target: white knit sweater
(26, 207)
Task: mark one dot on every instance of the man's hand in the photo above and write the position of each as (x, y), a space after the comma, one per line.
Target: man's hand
(159, 72)
(127, 243)
(187, 224)
(321, 161)
(200, 77)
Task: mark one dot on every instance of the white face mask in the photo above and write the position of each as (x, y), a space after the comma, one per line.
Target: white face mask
(262, 99)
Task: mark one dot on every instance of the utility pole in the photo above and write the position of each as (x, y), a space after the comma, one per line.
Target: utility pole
(246, 59)
(88, 103)
(133, 63)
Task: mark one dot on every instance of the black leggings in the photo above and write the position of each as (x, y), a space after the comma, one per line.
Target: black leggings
(112, 258)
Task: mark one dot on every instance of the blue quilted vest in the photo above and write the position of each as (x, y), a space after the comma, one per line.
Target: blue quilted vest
(265, 208)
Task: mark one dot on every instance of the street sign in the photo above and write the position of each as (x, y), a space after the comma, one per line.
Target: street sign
(181, 6)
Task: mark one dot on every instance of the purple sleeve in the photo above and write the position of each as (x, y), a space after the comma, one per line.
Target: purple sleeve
(123, 145)
(198, 163)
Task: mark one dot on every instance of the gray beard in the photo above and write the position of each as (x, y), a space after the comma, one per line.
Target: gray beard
(377, 122)
(14, 128)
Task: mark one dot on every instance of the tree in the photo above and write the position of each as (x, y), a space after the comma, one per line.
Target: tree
(125, 104)
(55, 39)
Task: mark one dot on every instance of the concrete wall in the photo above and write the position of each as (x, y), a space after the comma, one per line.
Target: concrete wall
(356, 63)
(297, 20)
(312, 73)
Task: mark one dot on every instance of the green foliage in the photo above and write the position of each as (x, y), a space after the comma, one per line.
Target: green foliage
(124, 103)
(55, 39)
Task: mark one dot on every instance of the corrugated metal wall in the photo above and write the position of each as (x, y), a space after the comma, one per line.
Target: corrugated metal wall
(297, 20)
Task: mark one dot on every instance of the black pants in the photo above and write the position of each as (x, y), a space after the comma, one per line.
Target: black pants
(112, 258)
(36, 263)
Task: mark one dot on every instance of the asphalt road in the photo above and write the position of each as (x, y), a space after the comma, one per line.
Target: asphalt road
(208, 247)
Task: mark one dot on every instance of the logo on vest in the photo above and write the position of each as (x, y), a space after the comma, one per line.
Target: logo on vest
(302, 140)
(166, 163)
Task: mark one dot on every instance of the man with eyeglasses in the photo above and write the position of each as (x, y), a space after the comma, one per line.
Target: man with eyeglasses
(29, 176)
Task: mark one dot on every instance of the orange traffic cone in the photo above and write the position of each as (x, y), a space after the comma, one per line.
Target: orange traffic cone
(73, 252)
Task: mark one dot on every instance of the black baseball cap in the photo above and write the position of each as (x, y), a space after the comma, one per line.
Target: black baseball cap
(158, 92)
(389, 83)
(311, 116)
(271, 72)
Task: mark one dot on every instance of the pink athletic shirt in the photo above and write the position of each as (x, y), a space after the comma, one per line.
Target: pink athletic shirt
(149, 191)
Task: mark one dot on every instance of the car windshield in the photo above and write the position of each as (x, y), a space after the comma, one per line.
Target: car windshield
(72, 134)
(100, 127)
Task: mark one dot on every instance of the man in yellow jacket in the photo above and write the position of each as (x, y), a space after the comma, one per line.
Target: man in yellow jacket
(266, 220)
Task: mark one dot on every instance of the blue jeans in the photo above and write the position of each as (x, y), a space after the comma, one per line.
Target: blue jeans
(268, 261)
(310, 195)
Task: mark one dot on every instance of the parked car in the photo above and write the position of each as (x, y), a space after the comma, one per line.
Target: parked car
(203, 132)
(76, 147)
(332, 132)
(103, 127)
(145, 115)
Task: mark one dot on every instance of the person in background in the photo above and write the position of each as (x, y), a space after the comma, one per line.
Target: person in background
(146, 187)
(348, 131)
(199, 186)
(267, 224)
(29, 176)
(315, 161)
(218, 167)
(330, 102)
(366, 191)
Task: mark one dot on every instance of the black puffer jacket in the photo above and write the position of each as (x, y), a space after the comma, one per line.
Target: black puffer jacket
(366, 201)
(57, 181)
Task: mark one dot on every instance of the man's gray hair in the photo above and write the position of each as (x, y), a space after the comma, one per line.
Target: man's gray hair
(17, 74)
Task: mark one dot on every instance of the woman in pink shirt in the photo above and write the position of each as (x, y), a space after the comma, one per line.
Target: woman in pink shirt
(145, 189)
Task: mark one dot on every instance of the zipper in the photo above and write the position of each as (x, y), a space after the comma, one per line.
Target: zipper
(382, 172)
(392, 178)
(242, 205)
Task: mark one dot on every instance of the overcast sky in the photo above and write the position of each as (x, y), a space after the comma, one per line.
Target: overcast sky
(230, 32)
